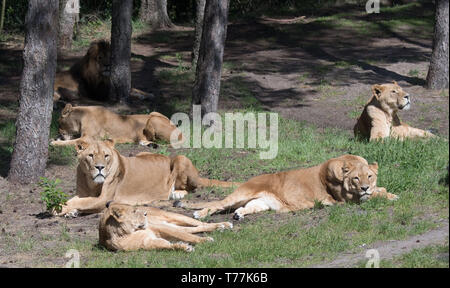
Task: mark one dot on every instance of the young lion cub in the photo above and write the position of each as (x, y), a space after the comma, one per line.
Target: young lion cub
(126, 228)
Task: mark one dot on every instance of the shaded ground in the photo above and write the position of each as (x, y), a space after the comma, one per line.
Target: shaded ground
(318, 70)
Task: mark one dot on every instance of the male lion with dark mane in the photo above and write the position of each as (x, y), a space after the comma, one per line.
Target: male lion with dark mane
(338, 180)
(103, 175)
(89, 77)
(379, 118)
(128, 228)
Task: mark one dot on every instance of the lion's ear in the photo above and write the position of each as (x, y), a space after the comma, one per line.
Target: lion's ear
(109, 142)
(67, 109)
(374, 167)
(117, 213)
(377, 90)
(395, 82)
(337, 170)
(81, 145)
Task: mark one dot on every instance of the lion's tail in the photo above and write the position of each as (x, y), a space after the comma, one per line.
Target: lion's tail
(205, 182)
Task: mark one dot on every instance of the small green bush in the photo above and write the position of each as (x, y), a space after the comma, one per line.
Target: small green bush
(53, 197)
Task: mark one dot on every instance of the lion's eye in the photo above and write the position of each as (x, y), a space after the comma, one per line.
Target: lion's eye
(145, 214)
(393, 91)
(356, 178)
(370, 176)
(91, 155)
(106, 156)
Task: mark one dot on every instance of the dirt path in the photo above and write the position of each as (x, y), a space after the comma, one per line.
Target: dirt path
(392, 249)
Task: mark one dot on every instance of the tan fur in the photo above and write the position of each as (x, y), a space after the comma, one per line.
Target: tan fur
(89, 77)
(126, 228)
(96, 122)
(104, 175)
(331, 182)
(379, 118)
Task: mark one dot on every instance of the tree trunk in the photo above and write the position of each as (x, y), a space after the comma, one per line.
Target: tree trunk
(121, 30)
(158, 14)
(30, 153)
(198, 31)
(438, 72)
(2, 16)
(68, 16)
(206, 88)
(144, 11)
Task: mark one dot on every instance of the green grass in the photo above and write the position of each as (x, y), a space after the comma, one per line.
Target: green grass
(411, 169)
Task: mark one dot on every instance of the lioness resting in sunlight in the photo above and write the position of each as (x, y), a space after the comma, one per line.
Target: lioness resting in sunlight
(126, 228)
(103, 175)
(97, 123)
(379, 118)
(346, 178)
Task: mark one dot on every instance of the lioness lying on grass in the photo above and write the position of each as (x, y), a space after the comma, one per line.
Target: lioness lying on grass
(104, 175)
(97, 123)
(346, 178)
(379, 118)
(126, 228)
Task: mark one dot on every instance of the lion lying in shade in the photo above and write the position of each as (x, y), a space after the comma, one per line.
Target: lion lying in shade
(97, 122)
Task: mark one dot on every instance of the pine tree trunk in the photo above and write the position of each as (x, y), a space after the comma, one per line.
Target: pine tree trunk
(30, 153)
(121, 30)
(68, 16)
(438, 72)
(206, 88)
(200, 13)
(159, 19)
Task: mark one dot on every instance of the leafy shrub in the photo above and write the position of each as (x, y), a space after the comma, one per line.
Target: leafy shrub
(53, 197)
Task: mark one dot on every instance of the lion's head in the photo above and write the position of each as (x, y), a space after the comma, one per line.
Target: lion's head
(98, 160)
(69, 122)
(391, 97)
(125, 219)
(97, 61)
(357, 179)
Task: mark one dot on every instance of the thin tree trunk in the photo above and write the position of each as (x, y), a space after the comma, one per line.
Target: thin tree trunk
(200, 13)
(438, 72)
(206, 88)
(68, 15)
(30, 153)
(121, 30)
(158, 14)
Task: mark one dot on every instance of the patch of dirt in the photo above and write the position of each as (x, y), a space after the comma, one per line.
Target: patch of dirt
(391, 249)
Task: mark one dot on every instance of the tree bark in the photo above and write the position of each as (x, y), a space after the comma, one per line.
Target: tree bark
(200, 13)
(121, 30)
(30, 153)
(68, 16)
(158, 14)
(206, 88)
(2, 16)
(438, 72)
(144, 11)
